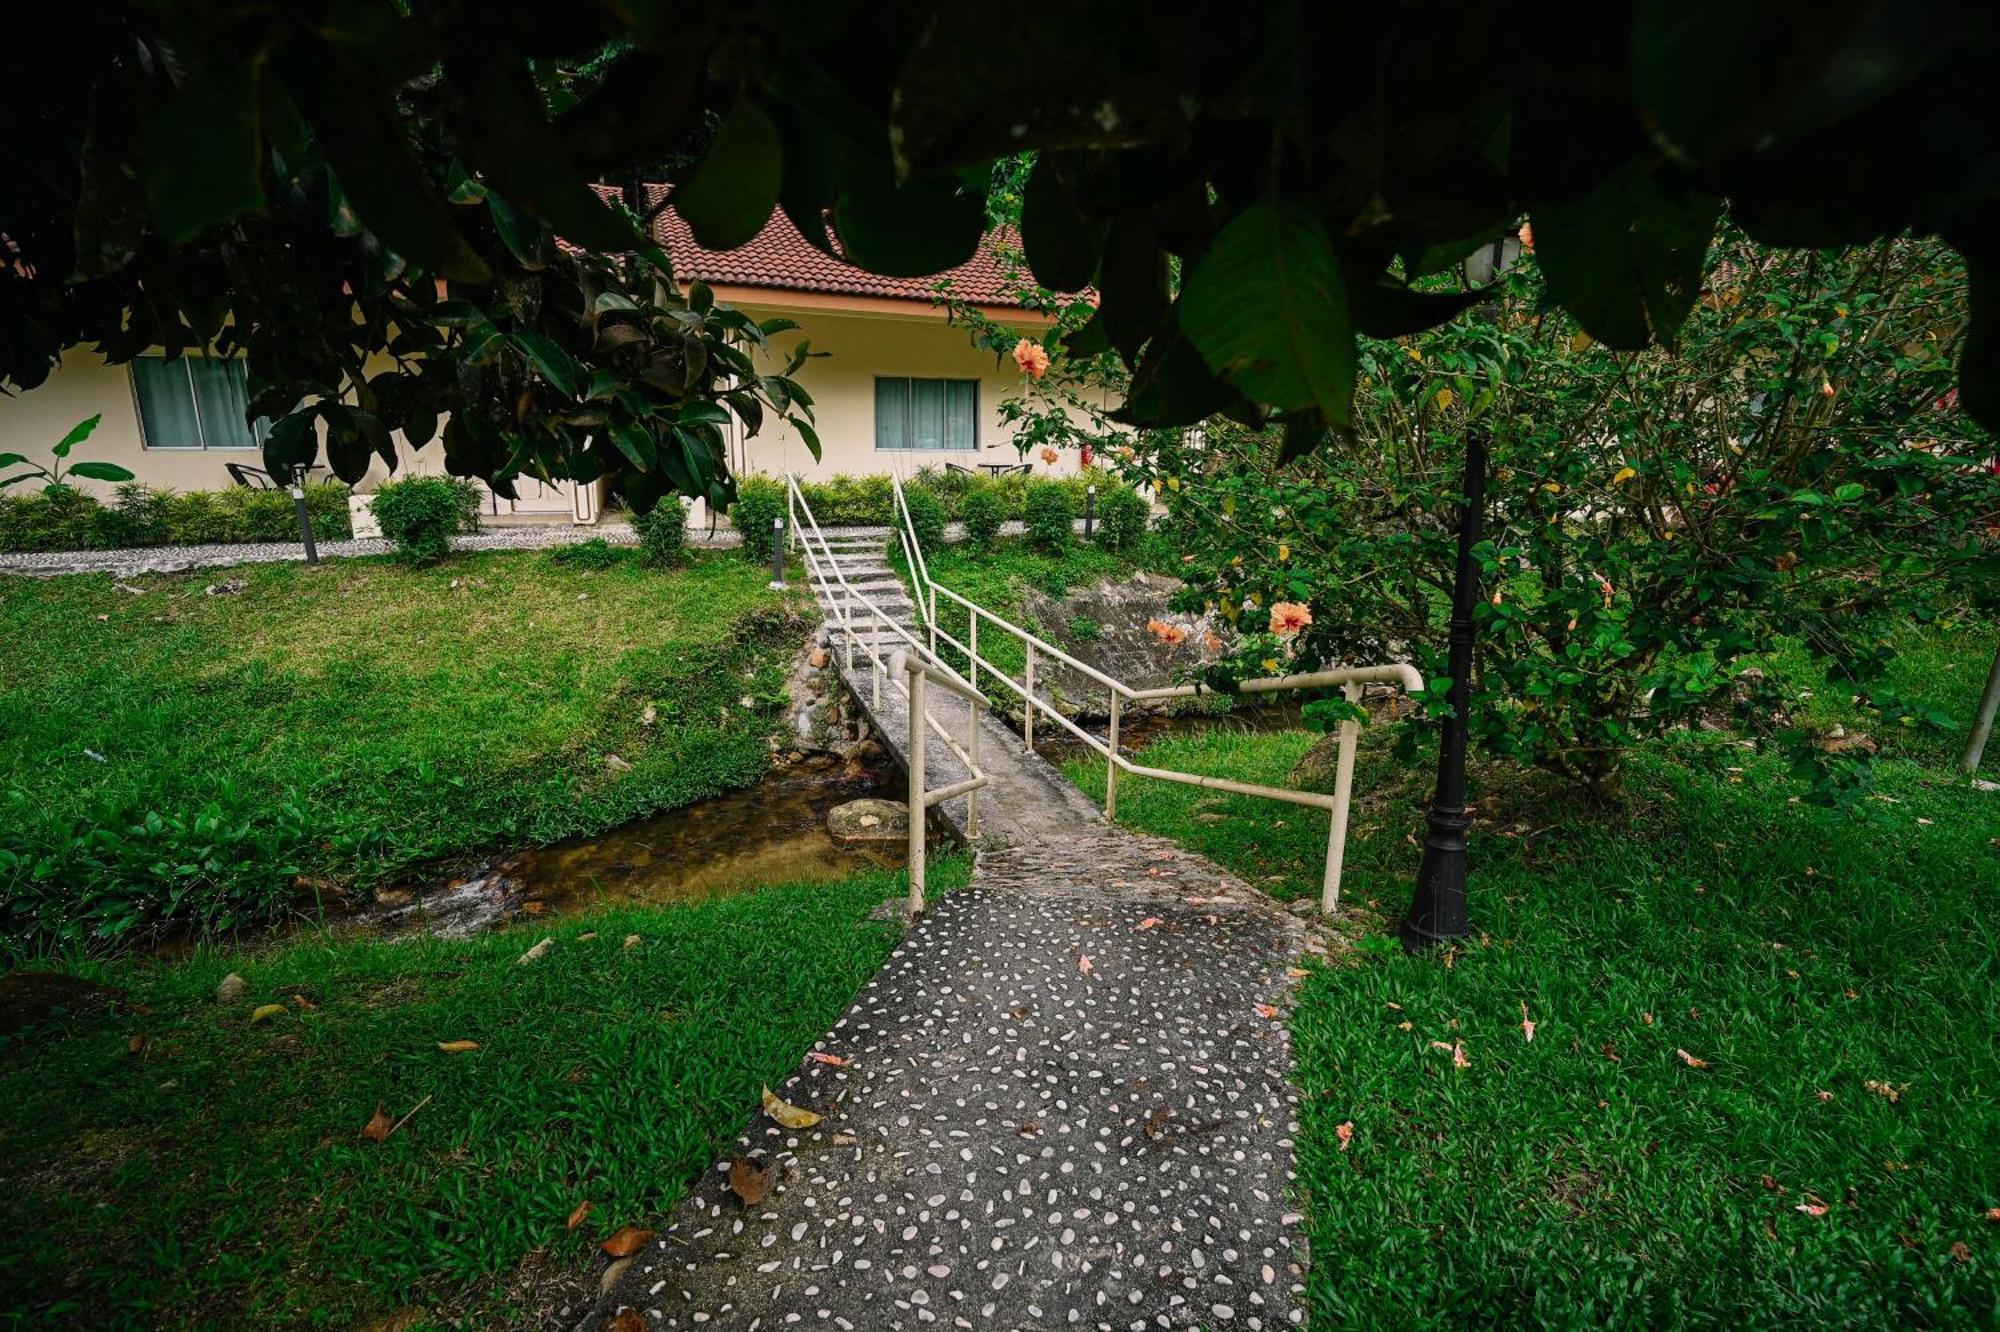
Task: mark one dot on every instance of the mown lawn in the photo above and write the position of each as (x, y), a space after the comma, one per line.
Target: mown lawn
(168, 1162)
(169, 756)
(1760, 1087)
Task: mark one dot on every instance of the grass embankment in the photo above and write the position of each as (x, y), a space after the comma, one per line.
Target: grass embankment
(168, 756)
(216, 1175)
(1760, 1088)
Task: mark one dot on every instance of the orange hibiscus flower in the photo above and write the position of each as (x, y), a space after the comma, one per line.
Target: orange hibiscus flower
(1288, 617)
(1032, 357)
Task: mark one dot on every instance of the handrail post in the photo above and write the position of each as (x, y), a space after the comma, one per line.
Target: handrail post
(1111, 766)
(972, 753)
(932, 618)
(1343, 783)
(916, 797)
(1028, 703)
(875, 659)
(972, 645)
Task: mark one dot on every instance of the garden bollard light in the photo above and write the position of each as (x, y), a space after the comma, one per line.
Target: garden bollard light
(778, 552)
(305, 514)
(1089, 511)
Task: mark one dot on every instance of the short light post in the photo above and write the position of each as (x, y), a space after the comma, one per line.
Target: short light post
(778, 552)
(304, 513)
(1437, 909)
(1089, 510)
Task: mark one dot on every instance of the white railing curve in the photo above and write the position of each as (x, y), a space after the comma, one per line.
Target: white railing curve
(907, 668)
(1349, 679)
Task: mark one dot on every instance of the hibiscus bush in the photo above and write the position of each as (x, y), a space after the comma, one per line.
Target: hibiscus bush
(1656, 522)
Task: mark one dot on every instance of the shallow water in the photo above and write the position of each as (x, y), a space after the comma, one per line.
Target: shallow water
(773, 832)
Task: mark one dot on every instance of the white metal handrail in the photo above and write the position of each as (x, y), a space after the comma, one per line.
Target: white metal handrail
(906, 669)
(1349, 679)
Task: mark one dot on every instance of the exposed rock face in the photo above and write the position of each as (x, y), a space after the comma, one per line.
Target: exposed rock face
(869, 820)
(1120, 644)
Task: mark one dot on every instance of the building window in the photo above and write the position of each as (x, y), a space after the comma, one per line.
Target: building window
(926, 413)
(194, 402)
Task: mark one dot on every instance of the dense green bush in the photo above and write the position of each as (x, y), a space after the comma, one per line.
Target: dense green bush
(662, 533)
(759, 500)
(869, 501)
(146, 516)
(1048, 513)
(419, 514)
(982, 513)
(1122, 514)
(595, 553)
(927, 517)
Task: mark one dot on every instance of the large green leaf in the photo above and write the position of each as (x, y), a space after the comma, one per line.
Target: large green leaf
(917, 228)
(1626, 259)
(1267, 307)
(204, 163)
(77, 434)
(362, 135)
(1172, 387)
(729, 197)
(101, 471)
(1061, 243)
(556, 365)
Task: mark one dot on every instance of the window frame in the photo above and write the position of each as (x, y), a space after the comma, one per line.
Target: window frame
(908, 380)
(256, 444)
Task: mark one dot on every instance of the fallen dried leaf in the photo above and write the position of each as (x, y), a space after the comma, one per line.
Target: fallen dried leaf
(1993, 1214)
(268, 1011)
(1813, 1208)
(1297, 973)
(750, 1179)
(1266, 1011)
(1961, 1251)
(576, 1218)
(135, 1045)
(586, 936)
(626, 1320)
(1084, 964)
(1770, 1183)
(1457, 1049)
(1527, 1025)
(1690, 1060)
(1345, 1132)
(844, 1140)
(632, 941)
(1824, 1095)
(457, 1047)
(1610, 1051)
(627, 1241)
(1884, 1090)
(822, 1057)
(536, 953)
(788, 1115)
(1149, 922)
(378, 1125)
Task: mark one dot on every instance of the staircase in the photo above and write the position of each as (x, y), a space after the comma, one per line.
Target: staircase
(861, 556)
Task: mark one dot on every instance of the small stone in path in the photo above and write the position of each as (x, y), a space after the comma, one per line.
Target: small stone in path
(231, 989)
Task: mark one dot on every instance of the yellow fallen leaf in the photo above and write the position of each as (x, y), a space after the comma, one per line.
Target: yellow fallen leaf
(457, 1047)
(1553, 487)
(1623, 474)
(268, 1011)
(1284, 551)
(786, 1114)
(1445, 398)
(1580, 342)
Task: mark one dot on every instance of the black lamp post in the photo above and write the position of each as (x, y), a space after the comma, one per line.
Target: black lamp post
(298, 489)
(1437, 910)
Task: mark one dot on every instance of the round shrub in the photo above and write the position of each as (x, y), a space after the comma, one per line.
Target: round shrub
(1047, 513)
(662, 532)
(1122, 514)
(759, 500)
(419, 515)
(926, 516)
(983, 510)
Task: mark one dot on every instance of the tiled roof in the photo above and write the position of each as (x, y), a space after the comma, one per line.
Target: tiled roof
(779, 258)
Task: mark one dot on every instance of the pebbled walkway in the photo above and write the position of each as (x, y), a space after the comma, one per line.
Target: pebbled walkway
(1064, 1102)
(1060, 1107)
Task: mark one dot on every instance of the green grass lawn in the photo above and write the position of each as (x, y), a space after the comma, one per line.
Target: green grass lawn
(1834, 975)
(217, 1177)
(168, 756)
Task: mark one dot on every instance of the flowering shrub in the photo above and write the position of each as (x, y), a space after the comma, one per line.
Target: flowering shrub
(1655, 523)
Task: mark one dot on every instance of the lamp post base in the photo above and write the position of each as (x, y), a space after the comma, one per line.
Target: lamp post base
(1437, 908)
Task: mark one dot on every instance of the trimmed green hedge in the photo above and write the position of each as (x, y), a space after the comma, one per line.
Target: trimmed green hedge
(868, 501)
(145, 516)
